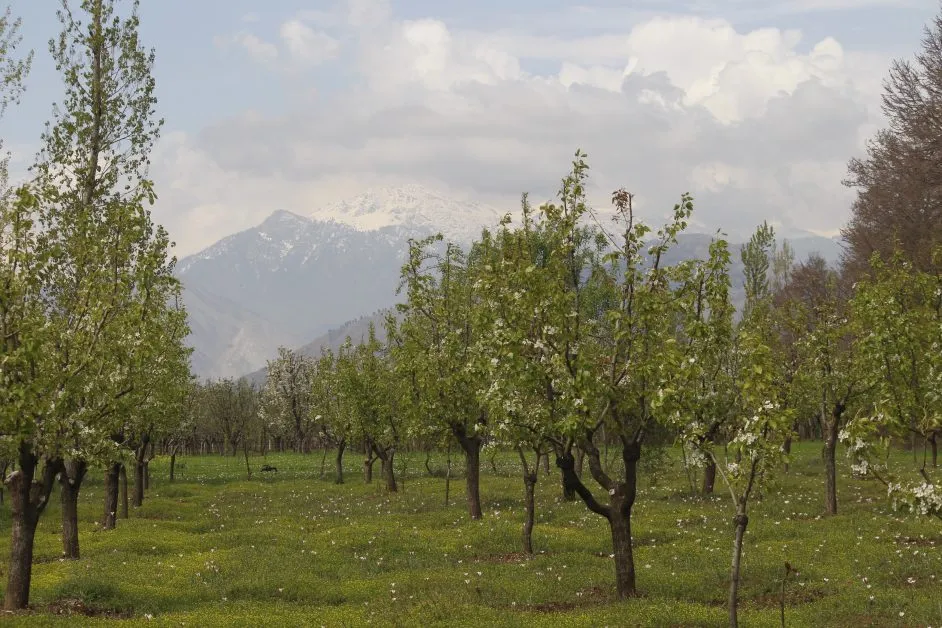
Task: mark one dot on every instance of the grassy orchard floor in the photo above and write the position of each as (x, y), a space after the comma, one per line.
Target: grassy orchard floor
(292, 550)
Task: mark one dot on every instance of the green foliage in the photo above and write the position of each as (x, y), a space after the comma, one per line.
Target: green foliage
(432, 346)
(527, 301)
(229, 411)
(287, 397)
(99, 326)
(756, 259)
(898, 313)
(728, 385)
(372, 394)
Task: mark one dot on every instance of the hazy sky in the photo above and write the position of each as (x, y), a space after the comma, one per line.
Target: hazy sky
(753, 106)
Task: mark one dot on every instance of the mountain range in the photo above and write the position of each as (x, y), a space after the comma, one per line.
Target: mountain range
(309, 281)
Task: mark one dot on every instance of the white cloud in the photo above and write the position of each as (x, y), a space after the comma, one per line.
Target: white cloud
(306, 45)
(258, 49)
(755, 124)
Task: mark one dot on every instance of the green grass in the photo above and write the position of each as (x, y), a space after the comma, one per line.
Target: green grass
(295, 550)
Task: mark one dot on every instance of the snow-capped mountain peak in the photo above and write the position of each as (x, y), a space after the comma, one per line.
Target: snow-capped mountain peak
(413, 207)
(282, 218)
(292, 277)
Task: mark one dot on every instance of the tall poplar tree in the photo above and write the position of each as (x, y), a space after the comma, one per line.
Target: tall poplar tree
(101, 271)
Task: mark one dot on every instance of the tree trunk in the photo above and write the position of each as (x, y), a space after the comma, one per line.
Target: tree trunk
(368, 465)
(389, 473)
(709, 477)
(579, 457)
(569, 494)
(620, 524)
(28, 499)
(934, 445)
(245, 453)
(830, 476)
(24, 522)
(830, 460)
(109, 519)
(621, 508)
(741, 521)
(448, 474)
(787, 448)
(529, 484)
(340, 447)
(545, 460)
(70, 479)
(472, 452)
(618, 511)
(138, 499)
(140, 471)
(147, 475)
(323, 463)
(123, 491)
(173, 462)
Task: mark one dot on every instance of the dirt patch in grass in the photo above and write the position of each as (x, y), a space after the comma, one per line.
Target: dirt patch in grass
(593, 596)
(78, 608)
(793, 597)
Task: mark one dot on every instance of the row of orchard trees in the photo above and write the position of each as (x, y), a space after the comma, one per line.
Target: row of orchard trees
(92, 362)
(554, 334)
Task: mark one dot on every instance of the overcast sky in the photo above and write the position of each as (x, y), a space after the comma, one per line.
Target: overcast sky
(753, 106)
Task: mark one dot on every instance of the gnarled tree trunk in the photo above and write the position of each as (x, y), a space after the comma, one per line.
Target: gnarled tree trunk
(339, 474)
(140, 470)
(569, 495)
(138, 499)
(368, 464)
(618, 511)
(123, 491)
(28, 498)
(245, 455)
(709, 477)
(386, 457)
(529, 486)
(472, 455)
(112, 480)
(70, 479)
(620, 526)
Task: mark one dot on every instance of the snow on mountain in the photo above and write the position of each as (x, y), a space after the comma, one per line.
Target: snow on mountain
(414, 208)
(291, 278)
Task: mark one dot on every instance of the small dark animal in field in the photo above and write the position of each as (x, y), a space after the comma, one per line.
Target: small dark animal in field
(269, 468)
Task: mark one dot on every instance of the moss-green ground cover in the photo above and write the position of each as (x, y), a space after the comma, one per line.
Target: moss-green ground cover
(295, 550)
